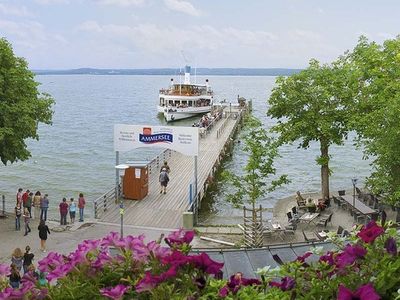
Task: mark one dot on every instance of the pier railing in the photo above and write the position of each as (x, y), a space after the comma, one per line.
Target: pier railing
(103, 203)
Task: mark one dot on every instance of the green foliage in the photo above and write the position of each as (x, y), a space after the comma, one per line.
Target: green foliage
(313, 105)
(262, 150)
(22, 106)
(377, 112)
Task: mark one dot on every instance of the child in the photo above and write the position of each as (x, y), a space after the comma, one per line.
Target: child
(18, 214)
(72, 210)
(15, 277)
(17, 258)
(26, 221)
(28, 258)
(43, 231)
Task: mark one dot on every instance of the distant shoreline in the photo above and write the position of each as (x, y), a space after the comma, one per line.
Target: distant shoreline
(174, 72)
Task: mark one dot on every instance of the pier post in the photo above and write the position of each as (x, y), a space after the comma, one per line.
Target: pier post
(3, 200)
(187, 220)
(116, 175)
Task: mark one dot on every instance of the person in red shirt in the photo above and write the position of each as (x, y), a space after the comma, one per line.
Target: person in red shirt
(63, 211)
(25, 197)
(81, 206)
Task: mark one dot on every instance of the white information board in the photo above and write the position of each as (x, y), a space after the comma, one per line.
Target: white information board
(182, 139)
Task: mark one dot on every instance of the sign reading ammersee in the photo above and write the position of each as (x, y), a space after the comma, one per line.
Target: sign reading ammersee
(181, 139)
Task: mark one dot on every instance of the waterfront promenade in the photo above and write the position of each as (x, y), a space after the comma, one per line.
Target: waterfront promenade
(165, 211)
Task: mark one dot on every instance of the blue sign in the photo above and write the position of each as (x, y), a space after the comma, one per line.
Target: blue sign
(156, 138)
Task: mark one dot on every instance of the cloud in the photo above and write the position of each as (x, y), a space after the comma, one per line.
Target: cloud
(49, 2)
(11, 10)
(183, 7)
(91, 26)
(123, 3)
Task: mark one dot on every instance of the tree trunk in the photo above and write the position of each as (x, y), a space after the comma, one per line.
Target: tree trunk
(325, 170)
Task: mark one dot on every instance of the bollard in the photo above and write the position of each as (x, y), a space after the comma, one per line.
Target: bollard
(187, 220)
(3, 198)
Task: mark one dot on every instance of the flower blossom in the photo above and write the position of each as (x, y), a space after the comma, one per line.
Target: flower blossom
(365, 292)
(286, 284)
(5, 270)
(116, 292)
(390, 246)
(236, 281)
(370, 232)
(205, 263)
(179, 237)
(349, 255)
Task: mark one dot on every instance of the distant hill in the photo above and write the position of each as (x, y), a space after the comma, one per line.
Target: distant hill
(199, 71)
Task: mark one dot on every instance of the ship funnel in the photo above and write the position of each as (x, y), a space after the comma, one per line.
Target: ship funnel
(187, 75)
(172, 82)
(207, 86)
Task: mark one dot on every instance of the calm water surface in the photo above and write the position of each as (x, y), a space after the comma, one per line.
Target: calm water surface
(76, 154)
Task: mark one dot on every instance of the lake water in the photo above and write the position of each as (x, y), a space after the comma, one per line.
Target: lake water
(76, 154)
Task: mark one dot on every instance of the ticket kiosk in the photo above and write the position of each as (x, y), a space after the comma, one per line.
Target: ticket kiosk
(135, 182)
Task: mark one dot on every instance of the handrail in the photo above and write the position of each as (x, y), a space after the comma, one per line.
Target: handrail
(106, 200)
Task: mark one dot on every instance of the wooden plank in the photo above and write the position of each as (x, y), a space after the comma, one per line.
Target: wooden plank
(166, 210)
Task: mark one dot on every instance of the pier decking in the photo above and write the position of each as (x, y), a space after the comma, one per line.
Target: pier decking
(165, 211)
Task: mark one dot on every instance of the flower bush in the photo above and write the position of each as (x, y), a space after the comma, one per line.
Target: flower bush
(367, 266)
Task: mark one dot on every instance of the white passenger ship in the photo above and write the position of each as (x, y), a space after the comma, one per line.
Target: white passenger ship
(185, 100)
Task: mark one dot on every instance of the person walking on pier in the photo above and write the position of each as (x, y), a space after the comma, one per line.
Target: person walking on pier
(63, 211)
(28, 204)
(81, 206)
(43, 231)
(26, 221)
(28, 258)
(165, 167)
(164, 179)
(17, 258)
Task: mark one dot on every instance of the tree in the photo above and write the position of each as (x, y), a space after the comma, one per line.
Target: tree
(377, 112)
(22, 106)
(313, 105)
(262, 151)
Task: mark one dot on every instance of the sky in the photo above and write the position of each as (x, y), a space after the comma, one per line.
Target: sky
(67, 34)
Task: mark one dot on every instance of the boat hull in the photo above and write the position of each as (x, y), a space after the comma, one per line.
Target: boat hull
(174, 114)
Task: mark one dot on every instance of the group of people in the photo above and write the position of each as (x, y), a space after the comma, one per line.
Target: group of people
(207, 119)
(23, 262)
(71, 208)
(25, 201)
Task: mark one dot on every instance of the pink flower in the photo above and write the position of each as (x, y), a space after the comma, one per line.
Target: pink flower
(349, 255)
(286, 284)
(205, 263)
(147, 283)
(5, 270)
(116, 292)
(390, 246)
(365, 292)
(370, 232)
(328, 258)
(179, 237)
(303, 258)
(102, 259)
(236, 281)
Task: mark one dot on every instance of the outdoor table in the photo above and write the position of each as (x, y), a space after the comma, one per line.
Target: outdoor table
(308, 217)
(358, 205)
(278, 230)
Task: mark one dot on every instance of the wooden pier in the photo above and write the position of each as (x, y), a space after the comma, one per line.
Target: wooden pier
(166, 210)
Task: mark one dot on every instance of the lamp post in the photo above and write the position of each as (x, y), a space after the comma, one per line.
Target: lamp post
(121, 200)
(354, 181)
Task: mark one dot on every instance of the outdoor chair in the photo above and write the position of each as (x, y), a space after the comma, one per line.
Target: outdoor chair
(383, 217)
(309, 239)
(312, 209)
(277, 259)
(360, 194)
(340, 230)
(294, 212)
(290, 217)
(323, 222)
